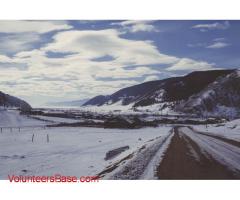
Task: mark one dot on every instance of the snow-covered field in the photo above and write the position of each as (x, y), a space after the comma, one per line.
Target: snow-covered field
(36, 149)
(70, 151)
(12, 118)
(229, 130)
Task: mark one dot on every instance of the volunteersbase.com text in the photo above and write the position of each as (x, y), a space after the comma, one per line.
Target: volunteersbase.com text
(57, 178)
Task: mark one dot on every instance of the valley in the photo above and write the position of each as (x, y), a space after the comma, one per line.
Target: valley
(177, 128)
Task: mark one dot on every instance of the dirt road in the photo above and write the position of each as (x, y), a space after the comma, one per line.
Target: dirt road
(182, 154)
(196, 155)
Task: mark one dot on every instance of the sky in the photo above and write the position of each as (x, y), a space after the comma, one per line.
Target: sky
(55, 61)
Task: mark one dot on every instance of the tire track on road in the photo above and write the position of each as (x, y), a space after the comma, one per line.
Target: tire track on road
(185, 159)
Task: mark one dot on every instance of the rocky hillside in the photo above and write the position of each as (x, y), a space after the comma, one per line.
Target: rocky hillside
(220, 98)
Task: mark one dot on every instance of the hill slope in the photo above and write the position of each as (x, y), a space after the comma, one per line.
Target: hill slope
(215, 92)
(11, 101)
(167, 90)
(222, 97)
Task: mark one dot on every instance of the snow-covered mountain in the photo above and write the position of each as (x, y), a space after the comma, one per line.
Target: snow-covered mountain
(189, 94)
(220, 98)
(11, 101)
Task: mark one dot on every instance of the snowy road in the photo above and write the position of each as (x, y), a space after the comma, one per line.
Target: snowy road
(195, 155)
(183, 153)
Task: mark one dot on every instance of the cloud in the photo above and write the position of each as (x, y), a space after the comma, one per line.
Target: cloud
(197, 45)
(84, 63)
(95, 44)
(219, 39)
(151, 78)
(10, 26)
(191, 65)
(120, 73)
(19, 35)
(214, 26)
(17, 42)
(8, 65)
(23, 35)
(137, 26)
(218, 45)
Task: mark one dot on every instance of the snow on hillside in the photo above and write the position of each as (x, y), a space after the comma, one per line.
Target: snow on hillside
(106, 108)
(220, 98)
(158, 108)
(70, 151)
(209, 93)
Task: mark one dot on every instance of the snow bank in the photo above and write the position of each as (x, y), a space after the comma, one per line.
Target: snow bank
(230, 130)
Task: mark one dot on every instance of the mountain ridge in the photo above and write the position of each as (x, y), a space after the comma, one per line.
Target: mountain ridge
(175, 91)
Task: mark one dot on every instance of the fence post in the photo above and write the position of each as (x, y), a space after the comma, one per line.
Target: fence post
(47, 138)
(32, 137)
